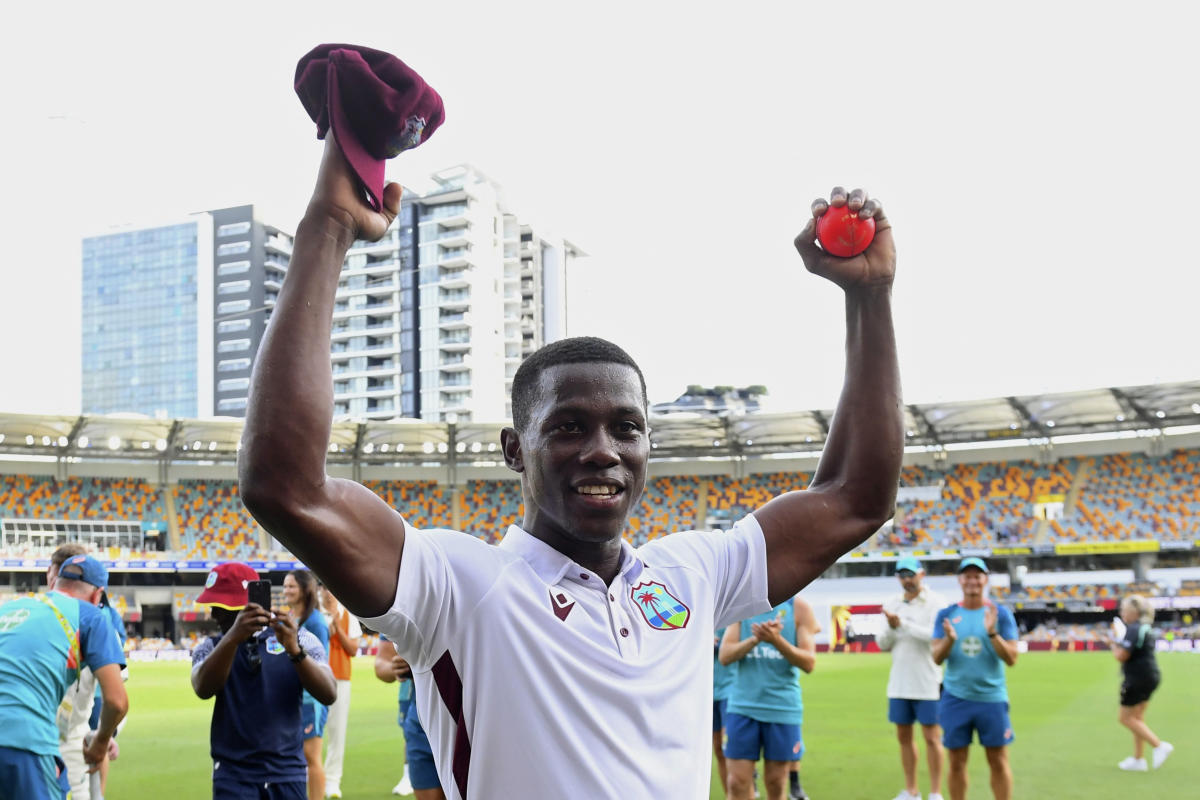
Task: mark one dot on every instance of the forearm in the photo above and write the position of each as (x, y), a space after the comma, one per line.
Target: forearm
(736, 651)
(886, 638)
(348, 645)
(290, 412)
(941, 649)
(802, 657)
(317, 679)
(922, 633)
(111, 715)
(1006, 650)
(865, 446)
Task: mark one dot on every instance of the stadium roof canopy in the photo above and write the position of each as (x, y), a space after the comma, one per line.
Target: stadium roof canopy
(1038, 418)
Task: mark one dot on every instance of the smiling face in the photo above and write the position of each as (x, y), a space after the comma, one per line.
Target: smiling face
(291, 591)
(973, 580)
(582, 455)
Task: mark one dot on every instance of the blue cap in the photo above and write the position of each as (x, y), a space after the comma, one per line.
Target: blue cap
(972, 562)
(84, 568)
(909, 563)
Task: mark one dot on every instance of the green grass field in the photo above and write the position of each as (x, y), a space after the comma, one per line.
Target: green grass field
(1064, 710)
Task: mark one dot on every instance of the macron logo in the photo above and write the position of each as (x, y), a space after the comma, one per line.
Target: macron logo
(561, 604)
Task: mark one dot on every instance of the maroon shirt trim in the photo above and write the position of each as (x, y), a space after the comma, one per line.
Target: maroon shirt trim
(450, 688)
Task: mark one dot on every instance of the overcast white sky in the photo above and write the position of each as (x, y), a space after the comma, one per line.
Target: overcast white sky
(1038, 162)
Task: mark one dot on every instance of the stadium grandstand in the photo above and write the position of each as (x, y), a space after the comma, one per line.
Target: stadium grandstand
(1075, 499)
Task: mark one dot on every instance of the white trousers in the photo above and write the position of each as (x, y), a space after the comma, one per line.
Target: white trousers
(335, 736)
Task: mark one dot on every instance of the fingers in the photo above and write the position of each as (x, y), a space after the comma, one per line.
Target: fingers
(391, 201)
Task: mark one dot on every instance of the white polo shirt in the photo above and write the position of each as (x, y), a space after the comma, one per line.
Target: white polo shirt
(914, 674)
(535, 680)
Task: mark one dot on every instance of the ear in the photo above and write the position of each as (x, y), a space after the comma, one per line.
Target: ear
(510, 445)
(94, 599)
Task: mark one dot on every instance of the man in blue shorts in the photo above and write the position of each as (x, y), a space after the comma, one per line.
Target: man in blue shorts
(975, 639)
(44, 641)
(914, 684)
(420, 772)
(723, 678)
(765, 708)
(258, 677)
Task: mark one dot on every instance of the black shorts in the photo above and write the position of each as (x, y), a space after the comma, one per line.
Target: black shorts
(1137, 691)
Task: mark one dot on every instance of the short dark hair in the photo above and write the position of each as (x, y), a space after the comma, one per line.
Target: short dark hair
(66, 551)
(577, 350)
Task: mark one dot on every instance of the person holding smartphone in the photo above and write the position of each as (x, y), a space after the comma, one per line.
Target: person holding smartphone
(257, 669)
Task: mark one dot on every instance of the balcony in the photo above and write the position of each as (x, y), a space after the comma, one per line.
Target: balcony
(275, 265)
(456, 279)
(280, 244)
(449, 322)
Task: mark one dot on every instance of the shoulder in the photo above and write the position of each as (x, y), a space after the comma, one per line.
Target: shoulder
(693, 548)
(947, 610)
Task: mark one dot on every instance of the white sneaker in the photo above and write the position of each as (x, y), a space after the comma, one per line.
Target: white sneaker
(1161, 752)
(904, 795)
(404, 786)
(1132, 764)
(935, 797)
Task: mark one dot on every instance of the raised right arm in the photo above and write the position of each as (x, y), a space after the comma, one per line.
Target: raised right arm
(343, 531)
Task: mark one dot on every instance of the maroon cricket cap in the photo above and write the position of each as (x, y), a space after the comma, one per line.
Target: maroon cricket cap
(376, 105)
(226, 586)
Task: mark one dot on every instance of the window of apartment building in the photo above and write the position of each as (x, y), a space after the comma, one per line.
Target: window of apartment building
(233, 287)
(233, 385)
(233, 268)
(234, 325)
(233, 364)
(233, 346)
(233, 248)
(233, 229)
(233, 306)
(232, 404)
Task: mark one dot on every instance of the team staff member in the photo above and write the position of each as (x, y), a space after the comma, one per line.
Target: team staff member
(258, 678)
(765, 708)
(976, 640)
(420, 773)
(594, 623)
(344, 632)
(723, 677)
(300, 593)
(914, 684)
(44, 641)
(1139, 668)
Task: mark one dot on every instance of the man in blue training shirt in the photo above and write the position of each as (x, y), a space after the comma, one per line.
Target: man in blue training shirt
(765, 708)
(257, 677)
(975, 639)
(44, 641)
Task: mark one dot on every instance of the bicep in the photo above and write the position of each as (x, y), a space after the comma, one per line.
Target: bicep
(804, 531)
(112, 687)
(352, 539)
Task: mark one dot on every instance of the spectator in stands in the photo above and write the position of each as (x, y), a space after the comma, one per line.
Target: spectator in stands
(914, 685)
(581, 444)
(765, 708)
(258, 680)
(723, 677)
(1135, 651)
(45, 640)
(300, 593)
(976, 640)
(420, 772)
(344, 632)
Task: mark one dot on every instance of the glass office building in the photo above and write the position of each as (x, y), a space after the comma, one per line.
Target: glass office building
(145, 342)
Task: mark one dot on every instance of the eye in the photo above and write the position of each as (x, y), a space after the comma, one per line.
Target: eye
(628, 426)
(570, 426)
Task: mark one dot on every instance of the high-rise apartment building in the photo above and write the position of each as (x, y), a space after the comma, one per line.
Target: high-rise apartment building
(430, 322)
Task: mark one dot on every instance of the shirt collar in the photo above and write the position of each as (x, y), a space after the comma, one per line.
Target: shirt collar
(550, 565)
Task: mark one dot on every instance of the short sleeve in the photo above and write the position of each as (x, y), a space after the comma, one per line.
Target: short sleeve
(1130, 642)
(938, 632)
(734, 561)
(312, 645)
(203, 650)
(98, 642)
(1006, 625)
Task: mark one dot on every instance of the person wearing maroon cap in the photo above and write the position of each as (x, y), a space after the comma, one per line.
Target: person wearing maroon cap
(618, 637)
(257, 669)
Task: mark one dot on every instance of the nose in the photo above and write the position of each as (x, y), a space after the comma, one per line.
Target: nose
(599, 449)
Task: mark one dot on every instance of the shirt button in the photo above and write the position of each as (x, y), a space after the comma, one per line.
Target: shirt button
(584, 575)
(610, 597)
(624, 631)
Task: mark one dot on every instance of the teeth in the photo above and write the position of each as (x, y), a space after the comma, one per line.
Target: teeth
(602, 490)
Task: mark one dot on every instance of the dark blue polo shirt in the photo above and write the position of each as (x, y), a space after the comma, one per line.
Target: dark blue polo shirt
(255, 733)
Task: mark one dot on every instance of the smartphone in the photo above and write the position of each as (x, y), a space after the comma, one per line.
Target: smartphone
(260, 592)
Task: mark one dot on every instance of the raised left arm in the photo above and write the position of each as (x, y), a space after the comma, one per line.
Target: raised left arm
(854, 490)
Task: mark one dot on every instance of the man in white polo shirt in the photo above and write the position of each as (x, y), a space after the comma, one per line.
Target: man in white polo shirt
(563, 662)
(915, 682)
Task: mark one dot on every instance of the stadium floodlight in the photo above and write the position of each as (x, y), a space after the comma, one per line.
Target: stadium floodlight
(1, 438)
(1195, 410)
(333, 447)
(160, 445)
(45, 441)
(428, 447)
(749, 442)
(212, 446)
(461, 447)
(808, 440)
(83, 442)
(476, 447)
(1012, 426)
(443, 447)
(196, 445)
(1049, 423)
(1120, 417)
(492, 445)
(29, 440)
(368, 448)
(910, 434)
(400, 447)
(1160, 413)
(145, 445)
(114, 443)
(383, 448)
(62, 441)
